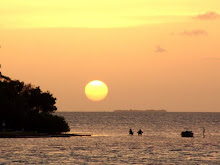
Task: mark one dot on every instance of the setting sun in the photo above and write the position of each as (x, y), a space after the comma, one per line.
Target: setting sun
(96, 90)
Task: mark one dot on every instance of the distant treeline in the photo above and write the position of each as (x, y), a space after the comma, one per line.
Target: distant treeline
(25, 107)
(150, 110)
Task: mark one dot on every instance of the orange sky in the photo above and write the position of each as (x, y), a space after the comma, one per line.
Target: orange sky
(152, 54)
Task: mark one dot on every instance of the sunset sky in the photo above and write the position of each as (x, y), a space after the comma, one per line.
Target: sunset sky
(152, 54)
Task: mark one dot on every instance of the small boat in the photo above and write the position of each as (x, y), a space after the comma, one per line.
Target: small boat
(187, 134)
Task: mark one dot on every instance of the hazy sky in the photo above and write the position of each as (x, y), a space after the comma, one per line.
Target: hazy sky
(152, 54)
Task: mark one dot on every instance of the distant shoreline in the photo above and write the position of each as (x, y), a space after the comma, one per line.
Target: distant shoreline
(134, 110)
(131, 110)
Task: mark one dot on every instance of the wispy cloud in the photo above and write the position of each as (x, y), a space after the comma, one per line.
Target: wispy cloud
(197, 32)
(213, 58)
(159, 49)
(208, 16)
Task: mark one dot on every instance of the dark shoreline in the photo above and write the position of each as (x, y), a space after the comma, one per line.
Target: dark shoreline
(37, 135)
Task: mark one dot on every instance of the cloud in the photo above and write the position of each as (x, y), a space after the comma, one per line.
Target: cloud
(213, 58)
(197, 32)
(208, 16)
(160, 49)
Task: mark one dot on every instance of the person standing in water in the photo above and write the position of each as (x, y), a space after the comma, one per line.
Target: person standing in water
(131, 132)
(140, 132)
(203, 132)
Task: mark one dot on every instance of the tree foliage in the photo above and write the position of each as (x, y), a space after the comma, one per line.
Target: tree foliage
(23, 106)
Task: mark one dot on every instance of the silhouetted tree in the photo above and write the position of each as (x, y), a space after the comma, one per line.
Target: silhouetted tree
(23, 106)
(39, 101)
(12, 105)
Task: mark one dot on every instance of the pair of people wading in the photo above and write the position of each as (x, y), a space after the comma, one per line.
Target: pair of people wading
(132, 133)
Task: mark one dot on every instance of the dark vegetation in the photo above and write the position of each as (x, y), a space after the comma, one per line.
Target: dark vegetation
(25, 107)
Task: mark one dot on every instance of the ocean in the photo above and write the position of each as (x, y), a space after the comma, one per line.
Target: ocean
(110, 143)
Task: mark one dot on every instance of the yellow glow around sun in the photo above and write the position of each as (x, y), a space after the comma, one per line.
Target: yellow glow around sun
(96, 90)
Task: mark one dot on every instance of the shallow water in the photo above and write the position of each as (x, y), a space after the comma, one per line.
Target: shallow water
(110, 144)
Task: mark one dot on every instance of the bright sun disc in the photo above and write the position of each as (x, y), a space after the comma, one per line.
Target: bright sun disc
(96, 90)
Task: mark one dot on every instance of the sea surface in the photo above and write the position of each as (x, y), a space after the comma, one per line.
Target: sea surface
(110, 142)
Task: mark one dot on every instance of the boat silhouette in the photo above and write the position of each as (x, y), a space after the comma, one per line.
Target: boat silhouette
(187, 133)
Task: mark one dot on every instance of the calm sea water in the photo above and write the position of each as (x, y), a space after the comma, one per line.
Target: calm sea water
(160, 143)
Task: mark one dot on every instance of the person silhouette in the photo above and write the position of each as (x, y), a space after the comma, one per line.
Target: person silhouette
(140, 132)
(131, 132)
(203, 132)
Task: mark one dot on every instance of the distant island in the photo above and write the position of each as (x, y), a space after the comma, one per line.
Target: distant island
(148, 110)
